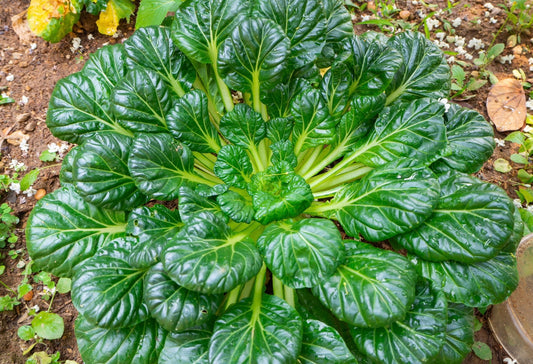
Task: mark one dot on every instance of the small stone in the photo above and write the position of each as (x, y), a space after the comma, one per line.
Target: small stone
(27, 88)
(371, 6)
(405, 14)
(40, 193)
(518, 50)
(30, 126)
(22, 117)
(23, 64)
(16, 55)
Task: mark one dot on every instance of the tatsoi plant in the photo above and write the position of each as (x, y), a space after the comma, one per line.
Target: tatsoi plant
(200, 215)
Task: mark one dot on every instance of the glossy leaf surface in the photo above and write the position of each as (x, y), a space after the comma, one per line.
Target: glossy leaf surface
(186, 347)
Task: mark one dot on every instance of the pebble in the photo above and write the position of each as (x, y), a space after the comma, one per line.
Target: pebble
(40, 193)
(22, 117)
(16, 55)
(30, 126)
(517, 50)
(27, 88)
(405, 14)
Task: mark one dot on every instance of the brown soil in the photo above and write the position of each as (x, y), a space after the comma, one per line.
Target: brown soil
(35, 73)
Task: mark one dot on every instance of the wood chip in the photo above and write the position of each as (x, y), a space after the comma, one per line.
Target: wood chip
(506, 105)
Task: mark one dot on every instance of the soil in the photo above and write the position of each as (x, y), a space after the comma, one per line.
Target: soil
(36, 70)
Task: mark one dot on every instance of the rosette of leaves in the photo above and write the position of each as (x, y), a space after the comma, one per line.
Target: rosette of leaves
(199, 215)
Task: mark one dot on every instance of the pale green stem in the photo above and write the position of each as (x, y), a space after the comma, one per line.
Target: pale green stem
(333, 171)
(247, 289)
(277, 286)
(233, 296)
(331, 157)
(289, 296)
(256, 158)
(259, 287)
(208, 160)
(349, 176)
(225, 93)
(310, 159)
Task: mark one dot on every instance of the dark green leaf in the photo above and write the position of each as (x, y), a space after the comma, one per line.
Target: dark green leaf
(475, 285)
(78, 108)
(107, 290)
(152, 226)
(372, 67)
(459, 334)
(243, 126)
(358, 121)
(304, 253)
(253, 58)
(278, 193)
(107, 63)
(372, 288)
(48, 325)
(283, 151)
(141, 101)
(416, 339)
(160, 165)
(189, 122)
(233, 166)
(304, 23)
(313, 126)
(249, 331)
(64, 230)
(236, 206)
(517, 234)
(412, 130)
(424, 71)
(471, 223)
(321, 344)
(278, 100)
(209, 260)
(201, 26)
(152, 48)
(470, 138)
(173, 307)
(279, 129)
(65, 174)
(396, 197)
(101, 173)
(136, 344)
(191, 202)
(186, 347)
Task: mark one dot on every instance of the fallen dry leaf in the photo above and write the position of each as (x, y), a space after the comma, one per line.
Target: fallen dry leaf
(16, 137)
(21, 28)
(506, 105)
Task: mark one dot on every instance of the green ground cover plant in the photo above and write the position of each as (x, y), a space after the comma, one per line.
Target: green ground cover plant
(217, 158)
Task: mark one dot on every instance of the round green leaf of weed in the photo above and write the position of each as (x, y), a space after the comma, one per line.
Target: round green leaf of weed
(413, 131)
(134, 344)
(101, 173)
(213, 262)
(459, 334)
(372, 288)
(78, 108)
(186, 347)
(424, 71)
(243, 126)
(108, 63)
(278, 193)
(152, 48)
(160, 165)
(304, 253)
(176, 308)
(253, 58)
(107, 290)
(233, 166)
(475, 285)
(64, 285)
(189, 122)
(391, 200)
(201, 26)
(141, 101)
(415, 339)
(482, 350)
(322, 344)
(48, 325)
(269, 332)
(470, 138)
(64, 230)
(26, 332)
(471, 223)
